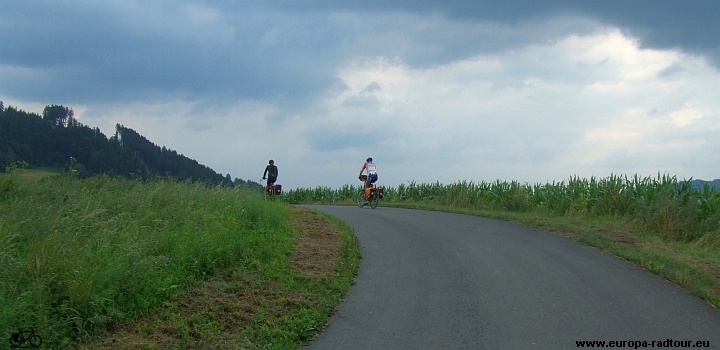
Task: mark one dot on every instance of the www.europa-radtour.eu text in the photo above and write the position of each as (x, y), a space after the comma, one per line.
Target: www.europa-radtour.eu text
(637, 344)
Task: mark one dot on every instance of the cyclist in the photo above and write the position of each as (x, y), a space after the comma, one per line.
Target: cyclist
(372, 177)
(272, 173)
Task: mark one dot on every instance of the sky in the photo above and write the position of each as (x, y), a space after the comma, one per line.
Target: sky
(524, 90)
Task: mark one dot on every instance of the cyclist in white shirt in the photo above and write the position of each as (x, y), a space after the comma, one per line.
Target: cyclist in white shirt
(371, 169)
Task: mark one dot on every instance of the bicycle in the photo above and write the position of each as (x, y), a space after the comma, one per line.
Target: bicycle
(273, 190)
(365, 197)
(18, 339)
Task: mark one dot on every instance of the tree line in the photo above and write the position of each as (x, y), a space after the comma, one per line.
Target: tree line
(56, 139)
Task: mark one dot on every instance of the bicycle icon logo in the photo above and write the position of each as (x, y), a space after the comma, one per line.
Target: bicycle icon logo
(23, 336)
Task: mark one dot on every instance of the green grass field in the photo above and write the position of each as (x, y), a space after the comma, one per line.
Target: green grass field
(81, 257)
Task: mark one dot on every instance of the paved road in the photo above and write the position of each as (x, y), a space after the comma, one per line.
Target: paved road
(432, 280)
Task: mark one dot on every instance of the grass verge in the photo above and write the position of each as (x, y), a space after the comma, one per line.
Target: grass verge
(114, 263)
(273, 306)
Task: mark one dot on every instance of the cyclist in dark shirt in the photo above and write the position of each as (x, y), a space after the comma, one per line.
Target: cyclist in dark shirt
(272, 173)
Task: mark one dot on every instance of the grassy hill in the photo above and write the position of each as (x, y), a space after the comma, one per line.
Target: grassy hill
(113, 263)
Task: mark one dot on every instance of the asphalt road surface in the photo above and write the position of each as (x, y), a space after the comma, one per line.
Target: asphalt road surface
(431, 280)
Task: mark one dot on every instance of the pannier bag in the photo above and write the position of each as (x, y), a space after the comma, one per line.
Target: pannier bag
(278, 189)
(380, 192)
(368, 192)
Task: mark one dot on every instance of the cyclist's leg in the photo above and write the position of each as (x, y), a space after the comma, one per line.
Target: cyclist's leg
(365, 192)
(370, 180)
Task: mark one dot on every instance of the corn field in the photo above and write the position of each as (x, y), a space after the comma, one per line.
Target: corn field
(661, 204)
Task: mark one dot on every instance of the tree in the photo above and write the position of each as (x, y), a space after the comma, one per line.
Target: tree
(57, 115)
(72, 122)
(57, 139)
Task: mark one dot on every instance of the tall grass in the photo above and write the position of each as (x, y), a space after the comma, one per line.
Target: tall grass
(661, 204)
(77, 256)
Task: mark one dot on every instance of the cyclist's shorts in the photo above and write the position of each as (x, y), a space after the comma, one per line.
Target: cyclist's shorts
(271, 180)
(372, 178)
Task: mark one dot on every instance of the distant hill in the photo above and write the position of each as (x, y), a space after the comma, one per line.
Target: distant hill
(700, 183)
(57, 139)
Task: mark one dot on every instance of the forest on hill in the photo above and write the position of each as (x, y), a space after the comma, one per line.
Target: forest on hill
(56, 139)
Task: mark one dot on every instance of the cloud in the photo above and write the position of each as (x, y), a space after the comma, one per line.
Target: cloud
(584, 104)
(432, 90)
(687, 116)
(658, 24)
(123, 50)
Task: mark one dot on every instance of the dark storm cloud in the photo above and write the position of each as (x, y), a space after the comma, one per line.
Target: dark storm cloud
(691, 25)
(283, 52)
(78, 51)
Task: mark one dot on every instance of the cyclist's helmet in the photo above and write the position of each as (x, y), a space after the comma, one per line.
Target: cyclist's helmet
(369, 159)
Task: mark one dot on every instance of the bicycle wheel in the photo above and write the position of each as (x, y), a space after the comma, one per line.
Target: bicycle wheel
(35, 340)
(15, 342)
(361, 198)
(374, 198)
